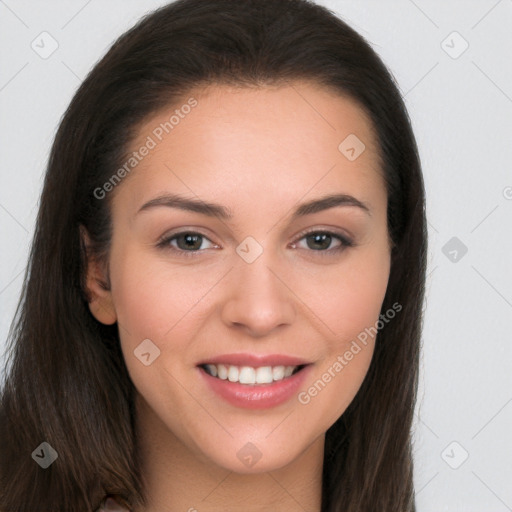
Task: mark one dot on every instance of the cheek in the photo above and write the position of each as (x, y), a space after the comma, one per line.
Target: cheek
(351, 308)
(153, 299)
(347, 302)
(347, 298)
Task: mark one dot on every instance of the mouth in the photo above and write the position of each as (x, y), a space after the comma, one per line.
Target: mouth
(251, 375)
(266, 384)
(254, 381)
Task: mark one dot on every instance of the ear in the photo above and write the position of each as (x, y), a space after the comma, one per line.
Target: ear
(98, 290)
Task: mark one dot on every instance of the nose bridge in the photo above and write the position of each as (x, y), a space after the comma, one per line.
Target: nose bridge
(257, 297)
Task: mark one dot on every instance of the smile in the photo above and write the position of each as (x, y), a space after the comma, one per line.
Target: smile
(250, 375)
(252, 381)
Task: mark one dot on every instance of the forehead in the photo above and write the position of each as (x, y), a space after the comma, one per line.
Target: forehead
(250, 140)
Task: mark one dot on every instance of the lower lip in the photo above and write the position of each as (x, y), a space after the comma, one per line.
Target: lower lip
(257, 396)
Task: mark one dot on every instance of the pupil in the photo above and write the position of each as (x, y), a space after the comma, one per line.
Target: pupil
(190, 240)
(319, 238)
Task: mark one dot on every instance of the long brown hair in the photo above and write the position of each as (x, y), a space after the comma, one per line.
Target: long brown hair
(66, 382)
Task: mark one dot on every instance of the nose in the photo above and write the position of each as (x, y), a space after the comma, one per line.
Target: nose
(258, 299)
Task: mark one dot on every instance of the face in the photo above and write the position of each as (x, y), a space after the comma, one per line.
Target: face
(230, 270)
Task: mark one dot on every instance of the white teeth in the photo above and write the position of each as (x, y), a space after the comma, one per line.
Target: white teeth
(264, 375)
(212, 369)
(233, 374)
(248, 374)
(278, 372)
(222, 371)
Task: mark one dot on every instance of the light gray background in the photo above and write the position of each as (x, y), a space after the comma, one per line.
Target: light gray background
(461, 110)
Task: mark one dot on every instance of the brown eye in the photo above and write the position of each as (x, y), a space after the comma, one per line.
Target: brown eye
(322, 241)
(319, 241)
(189, 241)
(186, 241)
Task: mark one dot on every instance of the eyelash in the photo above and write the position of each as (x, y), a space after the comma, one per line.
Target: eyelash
(164, 242)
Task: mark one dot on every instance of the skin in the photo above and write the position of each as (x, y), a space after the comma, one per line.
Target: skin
(260, 153)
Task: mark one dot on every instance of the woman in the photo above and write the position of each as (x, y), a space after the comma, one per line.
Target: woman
(223, 304)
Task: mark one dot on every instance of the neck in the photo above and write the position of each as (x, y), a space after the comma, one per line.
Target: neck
(177, 480)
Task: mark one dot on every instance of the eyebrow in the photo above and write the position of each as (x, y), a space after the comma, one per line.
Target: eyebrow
(217, 210)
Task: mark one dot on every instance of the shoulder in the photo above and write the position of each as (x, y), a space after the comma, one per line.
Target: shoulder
(111, 505)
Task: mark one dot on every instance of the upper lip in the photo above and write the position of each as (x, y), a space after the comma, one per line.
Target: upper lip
(255, 360)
